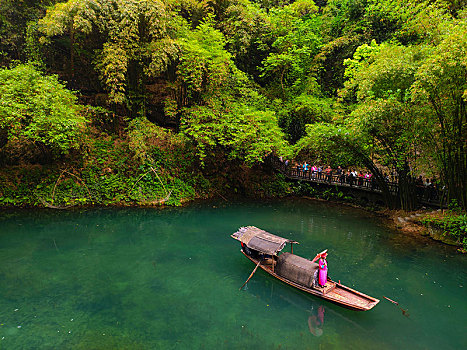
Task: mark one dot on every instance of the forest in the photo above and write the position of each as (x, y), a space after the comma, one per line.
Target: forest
(148, 102)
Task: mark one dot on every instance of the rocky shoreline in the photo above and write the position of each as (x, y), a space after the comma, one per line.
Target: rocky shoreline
(412, 223)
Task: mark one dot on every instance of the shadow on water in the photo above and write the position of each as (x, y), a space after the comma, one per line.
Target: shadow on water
(307, 309)
(313, 309)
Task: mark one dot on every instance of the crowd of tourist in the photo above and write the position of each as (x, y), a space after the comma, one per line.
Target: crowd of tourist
(351, 177)
(427, 188)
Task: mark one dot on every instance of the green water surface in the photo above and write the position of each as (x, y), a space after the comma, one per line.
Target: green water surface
(170, 278)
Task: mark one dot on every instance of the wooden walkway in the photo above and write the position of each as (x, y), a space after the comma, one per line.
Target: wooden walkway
(427, 197)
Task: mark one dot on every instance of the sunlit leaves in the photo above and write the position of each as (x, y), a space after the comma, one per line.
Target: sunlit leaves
(445, 70)
(240, 131)
(328, 143)
(204, 63)
(75, 13)
(291, 63)
(112, 65)
(382, 76)
(136, 31)
(38, 108)
(380, 71)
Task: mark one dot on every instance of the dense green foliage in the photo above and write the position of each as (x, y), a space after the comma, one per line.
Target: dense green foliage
(111, 171)
(38, 109)
(453, 224)
(15, 17)
(197, 94)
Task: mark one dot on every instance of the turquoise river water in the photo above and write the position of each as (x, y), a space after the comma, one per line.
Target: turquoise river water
(170, 279)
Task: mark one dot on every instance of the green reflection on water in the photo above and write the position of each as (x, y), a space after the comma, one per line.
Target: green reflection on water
(169, 279)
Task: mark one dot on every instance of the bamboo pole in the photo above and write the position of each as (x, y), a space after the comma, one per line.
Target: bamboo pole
(251, 275)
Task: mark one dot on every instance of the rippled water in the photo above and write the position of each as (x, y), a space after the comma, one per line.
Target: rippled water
(170, 278)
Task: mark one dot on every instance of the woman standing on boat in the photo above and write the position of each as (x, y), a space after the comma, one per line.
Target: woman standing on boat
(323, 270)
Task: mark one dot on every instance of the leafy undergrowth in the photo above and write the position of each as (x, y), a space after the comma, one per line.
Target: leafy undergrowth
(105, 173)
(149, 166)
(452, 223)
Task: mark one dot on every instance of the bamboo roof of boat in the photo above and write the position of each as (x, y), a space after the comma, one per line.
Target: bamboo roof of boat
(261, 240)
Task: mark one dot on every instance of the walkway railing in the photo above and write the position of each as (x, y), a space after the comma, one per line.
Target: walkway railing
(426, 195)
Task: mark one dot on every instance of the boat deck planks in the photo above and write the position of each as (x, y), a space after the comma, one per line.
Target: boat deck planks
(327, 288)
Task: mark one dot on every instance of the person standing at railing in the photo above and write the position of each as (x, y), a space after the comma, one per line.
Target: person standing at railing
(314, 169)
(367, 179)
(305, 168)
(428, 188)
(328, 174)
(360, 178)
(350, 177)
(342, 177)
(320, 171)
(339, 171)
(355, 177)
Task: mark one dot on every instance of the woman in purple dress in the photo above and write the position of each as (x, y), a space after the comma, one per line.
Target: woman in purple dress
(323, 270)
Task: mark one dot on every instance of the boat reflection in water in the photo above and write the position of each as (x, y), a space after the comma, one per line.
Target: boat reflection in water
(315, 311)
(307, 309)
(316, 321)
(284, 299)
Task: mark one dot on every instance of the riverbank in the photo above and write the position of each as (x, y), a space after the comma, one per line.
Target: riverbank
(445, 226)
(429, 223)
(448, 226)
(67, 188)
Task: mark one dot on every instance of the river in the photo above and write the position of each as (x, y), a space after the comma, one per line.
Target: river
(169, 279)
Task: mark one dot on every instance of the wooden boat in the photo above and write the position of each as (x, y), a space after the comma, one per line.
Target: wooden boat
(262, 248)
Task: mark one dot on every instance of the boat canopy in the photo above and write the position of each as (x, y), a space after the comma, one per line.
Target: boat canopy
(296, 269)
(261, 240)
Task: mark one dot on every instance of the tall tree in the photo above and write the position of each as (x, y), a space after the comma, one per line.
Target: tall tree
(135, 41)
(385, 126)
(290, 71)
(289, 67)
(14, 19)
(220, 110)
(442, 84)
